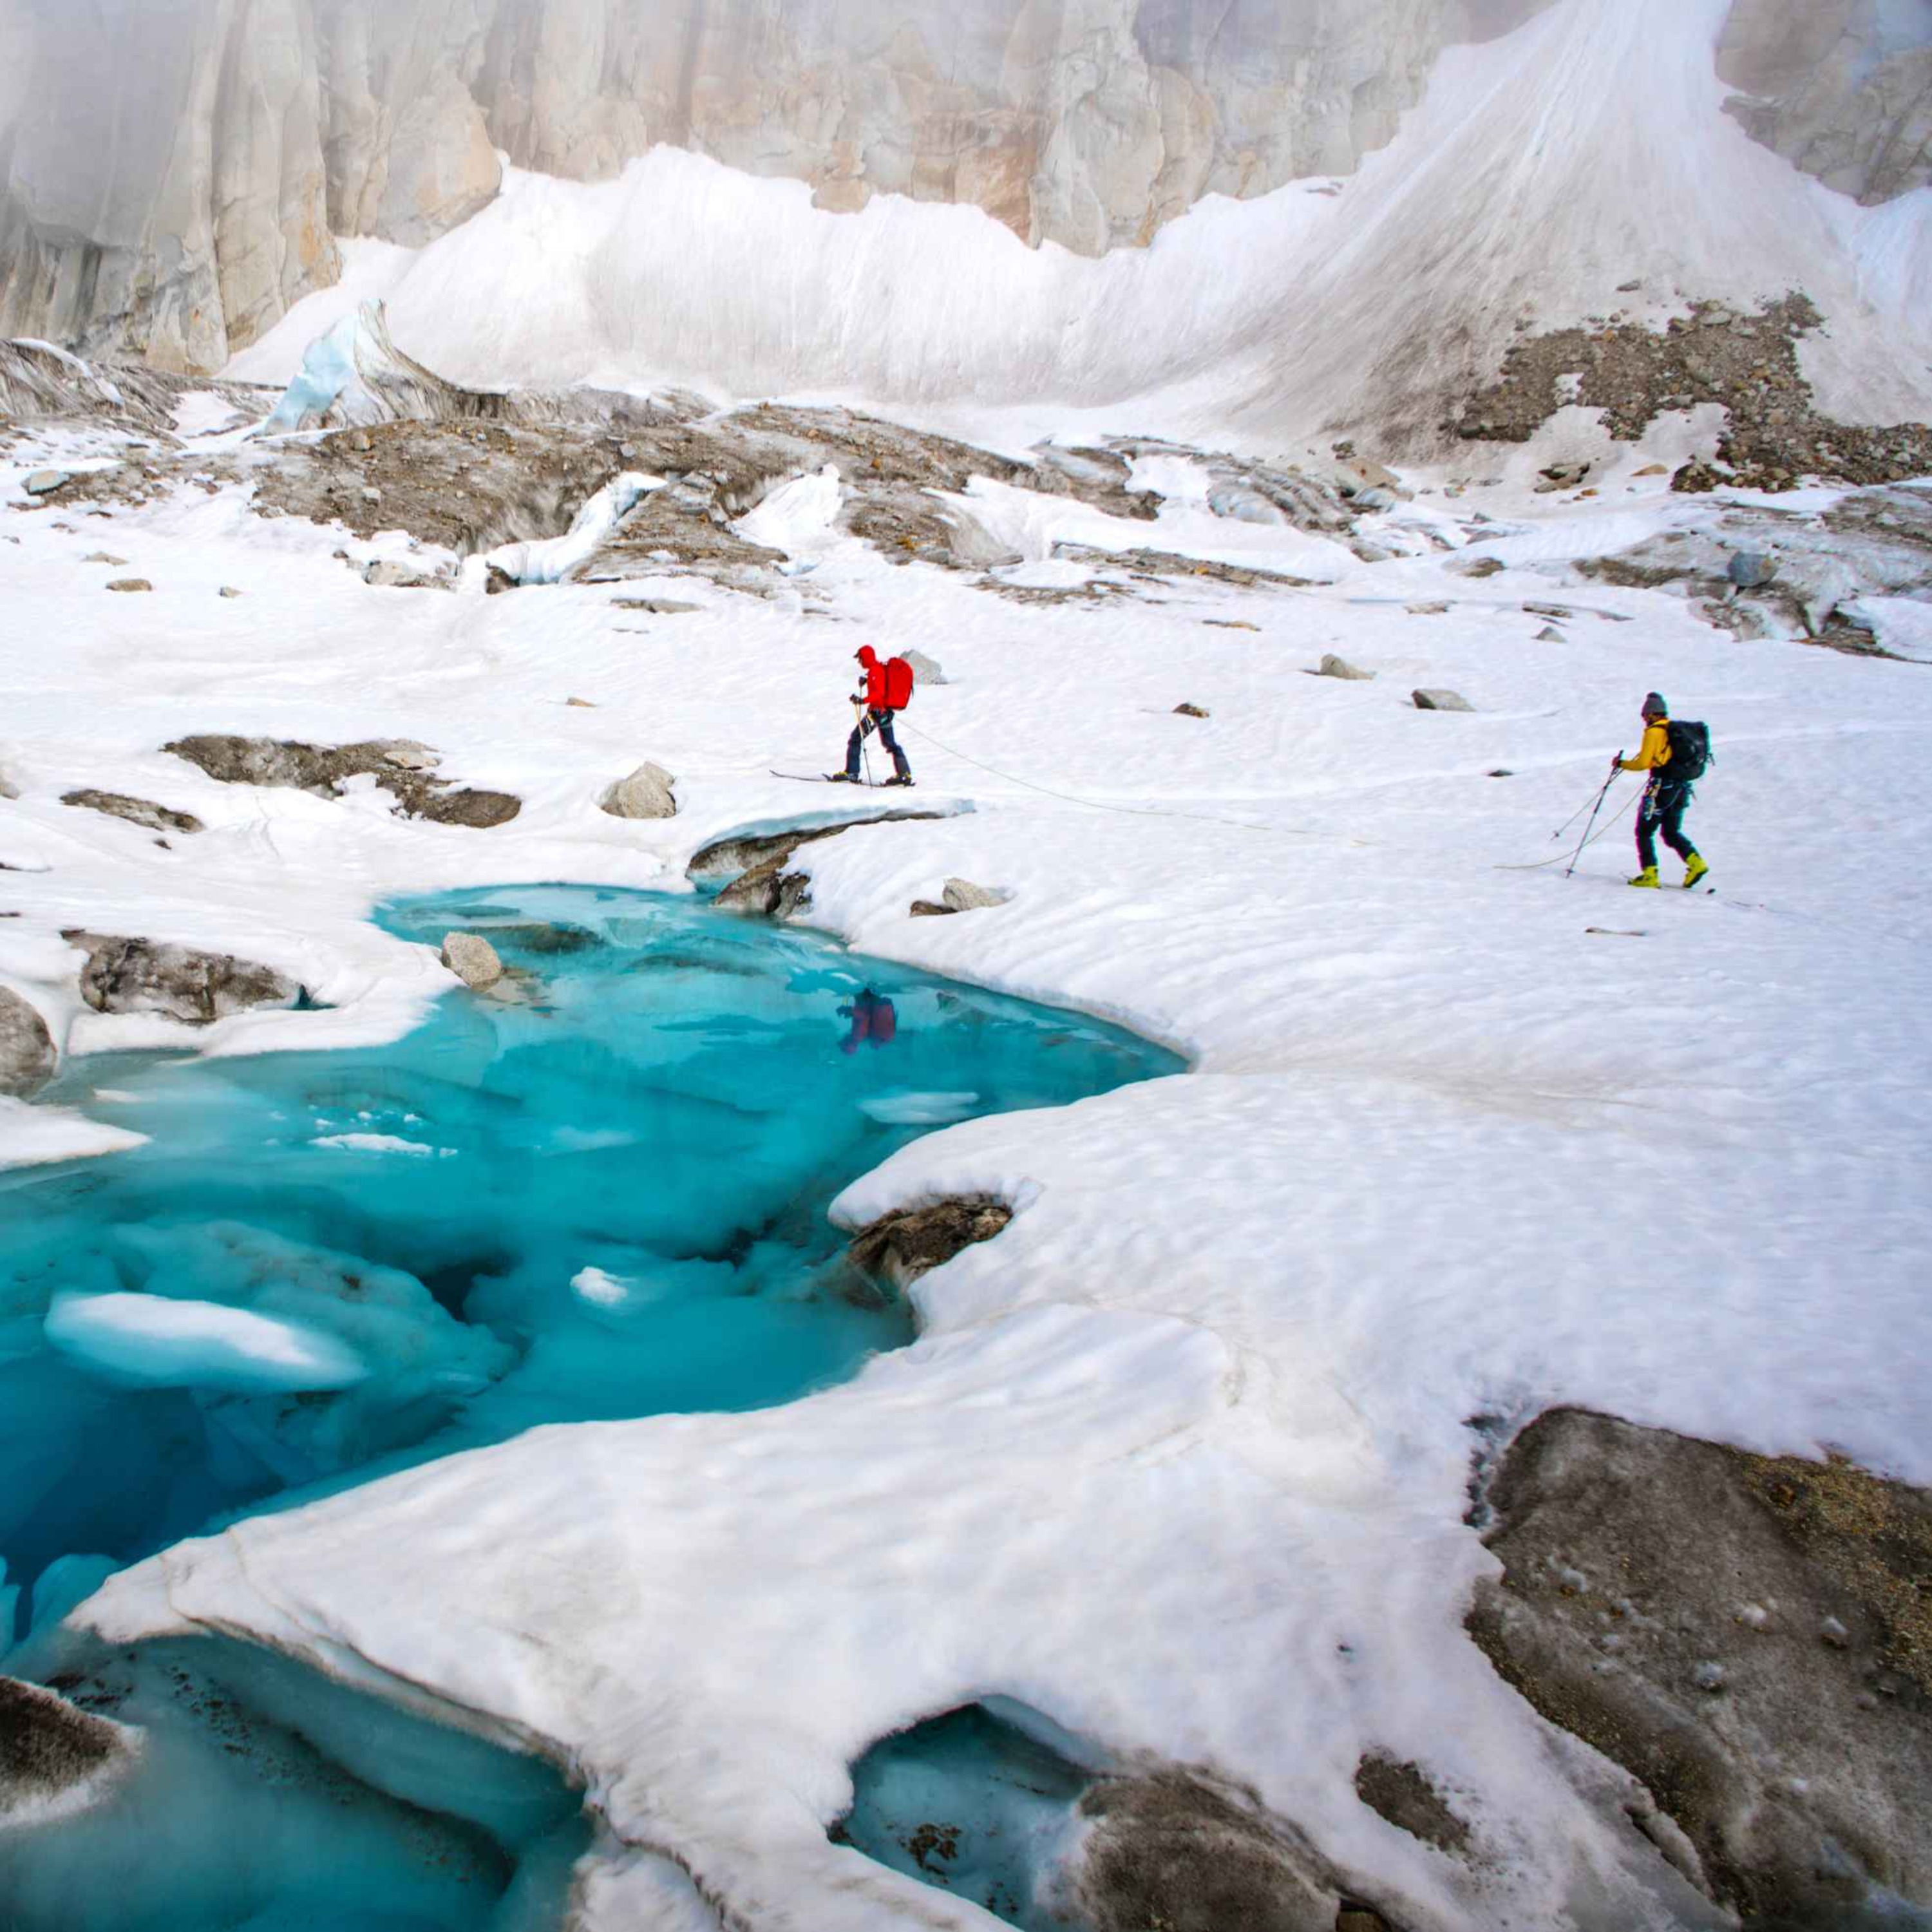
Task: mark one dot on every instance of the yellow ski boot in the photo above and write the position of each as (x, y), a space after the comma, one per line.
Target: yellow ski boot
(1694, 869)
(1648, 877)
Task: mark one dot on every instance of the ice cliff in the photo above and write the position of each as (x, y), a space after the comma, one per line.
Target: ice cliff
(173, 175)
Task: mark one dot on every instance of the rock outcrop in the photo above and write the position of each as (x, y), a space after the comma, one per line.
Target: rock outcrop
(1843, 89)
(400, 766)
(1749, 1637)
(28, 1058)
(142, 811)
(171, 178)
(143, 975)
(912, 1241)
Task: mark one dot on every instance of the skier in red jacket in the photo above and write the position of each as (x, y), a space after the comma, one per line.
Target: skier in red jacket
(878, 717)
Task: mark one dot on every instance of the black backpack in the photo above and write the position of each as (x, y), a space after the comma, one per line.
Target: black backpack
(1690, 751)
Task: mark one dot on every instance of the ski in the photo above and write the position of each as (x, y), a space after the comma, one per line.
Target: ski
(819, 778)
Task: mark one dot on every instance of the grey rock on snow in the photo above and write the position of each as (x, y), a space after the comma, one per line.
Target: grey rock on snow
(1750, 570)
(128, 584)
(924, 670)
(387, 574)
(28, 1057)
(141, 812)
(1332, 666)
(141, 976)
(44, 482)
(645, 793)
(472, 959)
(963, 896)
(767, 890)
(1441, 700)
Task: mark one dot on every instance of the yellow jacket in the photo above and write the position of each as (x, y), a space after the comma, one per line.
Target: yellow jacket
(1654, 752)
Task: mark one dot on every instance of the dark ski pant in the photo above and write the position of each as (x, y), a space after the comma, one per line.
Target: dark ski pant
(880, 720)
(1663, 811)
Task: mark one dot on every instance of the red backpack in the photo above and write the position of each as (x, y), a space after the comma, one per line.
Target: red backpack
(898, 684)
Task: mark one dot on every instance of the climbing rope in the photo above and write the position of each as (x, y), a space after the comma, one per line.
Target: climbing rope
(1095, 804)
(1584, 848)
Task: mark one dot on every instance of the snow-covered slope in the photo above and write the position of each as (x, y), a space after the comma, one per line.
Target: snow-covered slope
(1181, 1458)
(1544, 174)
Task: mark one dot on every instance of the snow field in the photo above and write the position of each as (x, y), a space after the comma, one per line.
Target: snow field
(1198, 1419)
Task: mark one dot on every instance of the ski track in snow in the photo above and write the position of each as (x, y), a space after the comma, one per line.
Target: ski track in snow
(1180, 1458)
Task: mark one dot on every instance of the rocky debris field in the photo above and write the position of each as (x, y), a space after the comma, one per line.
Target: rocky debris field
(400, 766)
(1761, 572)
(1746, 364)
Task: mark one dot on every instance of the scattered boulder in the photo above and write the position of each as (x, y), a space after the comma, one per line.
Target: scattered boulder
(1550, 635)
(1652, 469)
(141, 812)
(28, 1058)
(1750, 570)
(1561, 476)
(928, 909)
(7, 788)
(229, 590)
(924, 670)
(1441, 700)
(496, 579)
(580, 704)
(912, 1241)
(105, 557)
(45, 482)
(962, 896)
(1480, 567)
(645, 793)
(481, 811)
(1189, 711)
(140, 976)
(1428, 610)
(1749, 1637)
(48, 1747)
(472, 959)
(1331, 666)
(1561, 613)
(656, 606)
(386, 573)
(128, 585)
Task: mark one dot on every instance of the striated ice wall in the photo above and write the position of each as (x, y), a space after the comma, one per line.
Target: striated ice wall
(172, 171)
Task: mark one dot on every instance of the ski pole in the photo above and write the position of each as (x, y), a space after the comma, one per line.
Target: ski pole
(1594, 810)
(864, 747)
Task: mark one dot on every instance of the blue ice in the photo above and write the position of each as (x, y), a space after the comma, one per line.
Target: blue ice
(606, 1200)
(977, 1805)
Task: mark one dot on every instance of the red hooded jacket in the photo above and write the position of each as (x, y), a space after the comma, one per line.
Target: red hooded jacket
(875, 678)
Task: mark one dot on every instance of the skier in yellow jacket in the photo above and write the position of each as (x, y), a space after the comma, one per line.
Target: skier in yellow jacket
(1664, 800)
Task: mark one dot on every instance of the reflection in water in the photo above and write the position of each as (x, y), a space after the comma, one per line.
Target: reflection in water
(874, 1022)
(602, 1196)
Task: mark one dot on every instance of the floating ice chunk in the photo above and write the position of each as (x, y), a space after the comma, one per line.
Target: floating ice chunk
(552, 559)
(154, 1342)
(606, 1290)
(919, 1110)
(382, 1143)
